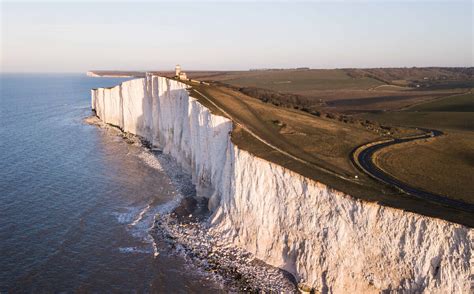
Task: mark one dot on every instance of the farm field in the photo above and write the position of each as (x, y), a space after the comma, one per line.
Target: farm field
(443, 165)
(297, 80)
(343, 90)
(459, 103)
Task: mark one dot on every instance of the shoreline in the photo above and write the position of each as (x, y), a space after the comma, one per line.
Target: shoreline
(184, 228)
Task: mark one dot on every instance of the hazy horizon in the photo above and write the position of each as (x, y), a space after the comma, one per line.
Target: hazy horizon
(77, 37)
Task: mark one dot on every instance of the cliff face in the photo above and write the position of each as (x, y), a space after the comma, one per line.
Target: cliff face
(331, 241)
(161, 111)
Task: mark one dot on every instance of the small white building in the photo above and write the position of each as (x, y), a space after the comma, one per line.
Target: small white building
(180, 74)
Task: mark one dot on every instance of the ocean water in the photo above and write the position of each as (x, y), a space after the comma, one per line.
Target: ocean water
(77, 201)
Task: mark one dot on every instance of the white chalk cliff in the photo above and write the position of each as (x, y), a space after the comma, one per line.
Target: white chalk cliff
(331, 241)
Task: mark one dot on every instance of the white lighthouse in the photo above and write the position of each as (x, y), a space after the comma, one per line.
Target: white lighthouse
(178, 70)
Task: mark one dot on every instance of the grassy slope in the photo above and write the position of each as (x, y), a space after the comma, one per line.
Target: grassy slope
(444, 165)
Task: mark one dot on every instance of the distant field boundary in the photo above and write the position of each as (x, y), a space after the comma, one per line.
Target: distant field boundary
(390, 85)
(433, 100)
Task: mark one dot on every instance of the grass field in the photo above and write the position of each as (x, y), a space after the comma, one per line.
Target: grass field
(455, 113)
(444, 165)
(424, 77)
(297, 80)
(459, 103)
(446, 121)
(339, 90)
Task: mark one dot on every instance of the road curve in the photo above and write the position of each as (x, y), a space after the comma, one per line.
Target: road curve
(363, 159)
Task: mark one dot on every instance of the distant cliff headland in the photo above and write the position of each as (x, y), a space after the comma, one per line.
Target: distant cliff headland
(114, 74)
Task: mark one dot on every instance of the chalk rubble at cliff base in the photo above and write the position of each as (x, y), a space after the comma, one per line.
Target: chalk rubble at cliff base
(330, 240)
(235, 268)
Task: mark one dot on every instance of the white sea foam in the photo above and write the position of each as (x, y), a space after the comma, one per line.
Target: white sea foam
(140, 222)
(127, 216)
(140, 215)
(134, 250)
(140, 219)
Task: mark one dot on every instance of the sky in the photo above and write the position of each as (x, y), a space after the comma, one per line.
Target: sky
(76, 37)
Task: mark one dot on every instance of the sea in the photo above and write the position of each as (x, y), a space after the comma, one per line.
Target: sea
(78, 202)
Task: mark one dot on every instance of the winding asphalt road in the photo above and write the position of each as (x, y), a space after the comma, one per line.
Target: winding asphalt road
(363, 158)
